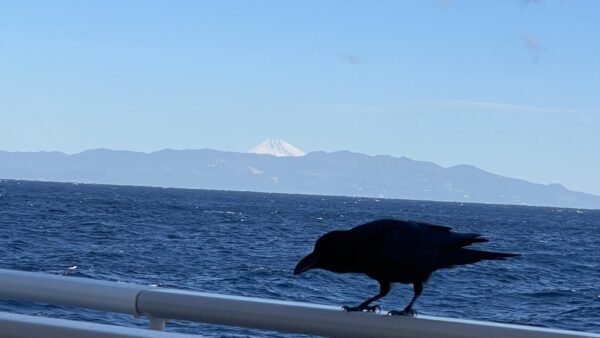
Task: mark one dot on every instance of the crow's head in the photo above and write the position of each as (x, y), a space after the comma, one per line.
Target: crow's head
(327, 250)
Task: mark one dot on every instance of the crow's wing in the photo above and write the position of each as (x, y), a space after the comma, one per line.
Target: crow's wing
(409, 252)
(418, 247)
(441, 237)
(432, 227)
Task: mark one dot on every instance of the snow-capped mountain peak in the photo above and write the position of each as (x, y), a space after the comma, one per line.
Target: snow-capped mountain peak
(277, 147)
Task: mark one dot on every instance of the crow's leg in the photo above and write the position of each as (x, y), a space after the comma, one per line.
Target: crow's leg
(408, 310)
(384, 289)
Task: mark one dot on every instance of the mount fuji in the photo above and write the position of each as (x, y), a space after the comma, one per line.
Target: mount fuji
(277, 147)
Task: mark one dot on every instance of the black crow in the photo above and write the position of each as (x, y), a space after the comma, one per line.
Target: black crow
(394, 251)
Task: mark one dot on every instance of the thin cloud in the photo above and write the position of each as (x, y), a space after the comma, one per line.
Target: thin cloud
(528, 2)
(590, 120)
(534, 46)
(482, 107)
(446, 4)
(350, 58)
(517, 108)
(499, 106)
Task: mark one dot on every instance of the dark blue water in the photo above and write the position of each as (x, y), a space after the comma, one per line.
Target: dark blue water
(248, 243)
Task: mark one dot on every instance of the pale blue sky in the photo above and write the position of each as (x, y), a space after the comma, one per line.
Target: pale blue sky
(510, 86)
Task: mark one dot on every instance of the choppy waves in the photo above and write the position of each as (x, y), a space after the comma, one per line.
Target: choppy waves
(248, 243)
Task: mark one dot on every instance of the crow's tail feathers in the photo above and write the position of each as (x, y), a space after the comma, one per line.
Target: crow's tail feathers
(467, 256)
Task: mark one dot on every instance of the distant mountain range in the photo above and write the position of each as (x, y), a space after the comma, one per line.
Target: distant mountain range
(338, 173)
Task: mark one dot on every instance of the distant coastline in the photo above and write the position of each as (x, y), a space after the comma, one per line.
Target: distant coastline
(340, 173)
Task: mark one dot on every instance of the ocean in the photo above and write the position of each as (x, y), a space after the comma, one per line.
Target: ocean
(247, 244)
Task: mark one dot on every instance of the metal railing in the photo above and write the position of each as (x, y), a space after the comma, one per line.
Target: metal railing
(294, 317)
(22, 326)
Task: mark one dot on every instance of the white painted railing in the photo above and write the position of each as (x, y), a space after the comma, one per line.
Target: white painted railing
(281, 316)
(21, 326)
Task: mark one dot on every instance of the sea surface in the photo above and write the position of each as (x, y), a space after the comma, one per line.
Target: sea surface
(247, 244)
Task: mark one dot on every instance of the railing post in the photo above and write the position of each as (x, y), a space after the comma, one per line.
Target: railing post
(157, 324)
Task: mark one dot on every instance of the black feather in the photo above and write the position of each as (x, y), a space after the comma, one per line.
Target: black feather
(392, 251)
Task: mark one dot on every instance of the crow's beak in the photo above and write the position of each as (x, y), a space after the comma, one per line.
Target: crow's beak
(306, 263)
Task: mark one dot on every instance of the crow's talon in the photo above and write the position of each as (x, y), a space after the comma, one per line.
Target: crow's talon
(374, 308)
(411, 313)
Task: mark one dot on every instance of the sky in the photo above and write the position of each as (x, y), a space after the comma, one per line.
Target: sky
(511, 86)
